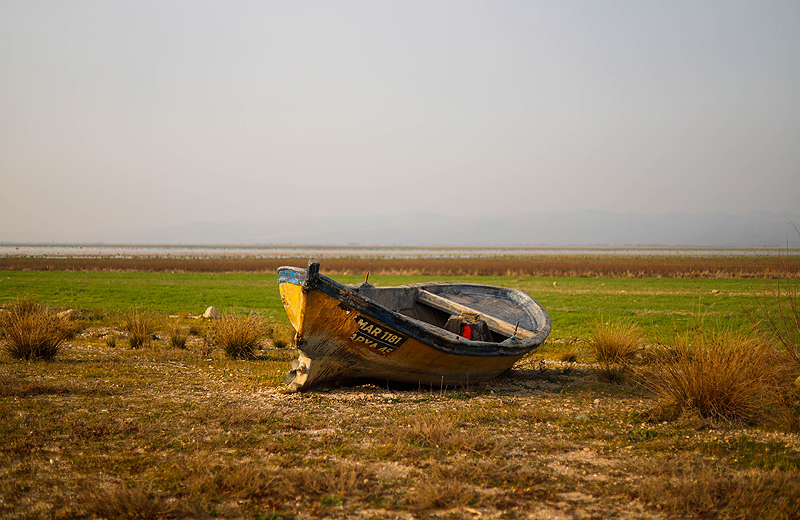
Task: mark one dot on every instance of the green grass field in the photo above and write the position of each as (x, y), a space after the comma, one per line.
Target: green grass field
(575, 305)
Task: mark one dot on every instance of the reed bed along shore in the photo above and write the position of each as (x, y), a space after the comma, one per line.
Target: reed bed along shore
(601, 265)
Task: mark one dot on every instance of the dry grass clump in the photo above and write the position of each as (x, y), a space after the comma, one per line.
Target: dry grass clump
(239, 336)
(332, 483)
(442, 493)
(615, 346)
(440, 431)
(30, 330)
(282, 336)
(434, 430)
(208, 476)
(95, 314)
(196, 330)
(135, 503)
(178, 336)
(720, 375)
(140, 326)
(569, 355)
(691, 489)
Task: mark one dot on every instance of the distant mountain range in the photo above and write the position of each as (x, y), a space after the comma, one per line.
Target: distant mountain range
(578, 228)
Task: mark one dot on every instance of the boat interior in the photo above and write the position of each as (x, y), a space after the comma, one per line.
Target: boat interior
(467, 317)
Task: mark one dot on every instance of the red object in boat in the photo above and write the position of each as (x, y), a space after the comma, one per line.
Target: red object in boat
(467, 332)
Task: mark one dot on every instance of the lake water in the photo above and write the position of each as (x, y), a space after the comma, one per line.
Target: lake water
(200, 252)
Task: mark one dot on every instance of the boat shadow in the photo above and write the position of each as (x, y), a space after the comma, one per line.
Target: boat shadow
(550, 376)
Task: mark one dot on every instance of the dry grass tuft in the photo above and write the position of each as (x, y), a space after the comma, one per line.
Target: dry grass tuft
(140, 326)
(615, 346)
(239, 336)
(178, 336)
(431, 430)
(122, 502)
(196, 330)
(486, 472)
(30, 330)
(719, 375)
(95, 314)
(209, 476)
(691, 491)
(339, 481)
(206, 475)
(282, 336)
(441, 494)
(569, 355)
(441, 431)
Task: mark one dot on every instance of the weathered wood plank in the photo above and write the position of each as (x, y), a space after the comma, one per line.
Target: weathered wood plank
(496, 325)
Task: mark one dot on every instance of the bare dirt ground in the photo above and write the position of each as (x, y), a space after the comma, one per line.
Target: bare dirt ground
(110, 432)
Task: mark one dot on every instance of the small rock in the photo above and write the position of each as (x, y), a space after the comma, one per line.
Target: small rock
(70, 314)
(211, 313)
(715, 291)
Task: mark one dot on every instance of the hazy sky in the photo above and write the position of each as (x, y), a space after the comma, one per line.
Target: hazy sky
(125, 116)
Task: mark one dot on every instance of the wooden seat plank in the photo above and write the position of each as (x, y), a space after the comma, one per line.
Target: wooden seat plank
(496, 325)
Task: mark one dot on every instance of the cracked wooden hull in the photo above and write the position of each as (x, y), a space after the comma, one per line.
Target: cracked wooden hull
(395, 334)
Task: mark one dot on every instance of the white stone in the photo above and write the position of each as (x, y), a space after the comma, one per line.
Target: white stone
(211, 313)
(70, 314)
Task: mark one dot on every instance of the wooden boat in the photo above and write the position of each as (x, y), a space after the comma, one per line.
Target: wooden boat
(427, 334)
